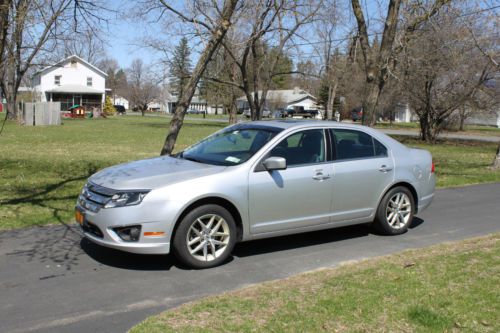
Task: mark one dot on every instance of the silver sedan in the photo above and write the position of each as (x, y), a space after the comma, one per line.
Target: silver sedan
(256, 180)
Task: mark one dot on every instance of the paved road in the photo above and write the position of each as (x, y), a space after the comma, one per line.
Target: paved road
(53, 281)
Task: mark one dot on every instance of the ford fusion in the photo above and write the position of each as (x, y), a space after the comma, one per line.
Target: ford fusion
(255, 180)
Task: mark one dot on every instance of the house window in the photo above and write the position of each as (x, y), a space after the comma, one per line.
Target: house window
(89, 81)
(57, 80)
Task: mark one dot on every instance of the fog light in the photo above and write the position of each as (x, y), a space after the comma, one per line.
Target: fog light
(129, 234)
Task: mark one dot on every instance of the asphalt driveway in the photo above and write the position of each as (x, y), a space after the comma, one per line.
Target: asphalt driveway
(52, 280)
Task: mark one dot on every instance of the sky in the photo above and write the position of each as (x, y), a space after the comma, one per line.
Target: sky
(125, 29)
(123, 34)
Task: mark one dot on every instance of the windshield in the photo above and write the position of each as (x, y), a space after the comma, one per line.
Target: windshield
(231, 146)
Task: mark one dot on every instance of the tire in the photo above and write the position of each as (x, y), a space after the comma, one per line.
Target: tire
(205, 237)
(395, 211)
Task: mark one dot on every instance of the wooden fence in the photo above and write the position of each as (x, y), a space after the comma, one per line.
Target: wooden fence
(41, 113)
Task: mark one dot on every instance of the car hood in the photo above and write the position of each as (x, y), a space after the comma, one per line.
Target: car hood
(152, 173)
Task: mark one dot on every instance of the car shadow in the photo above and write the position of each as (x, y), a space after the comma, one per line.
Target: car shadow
(290, 242)
(416, 222)
(119, 259)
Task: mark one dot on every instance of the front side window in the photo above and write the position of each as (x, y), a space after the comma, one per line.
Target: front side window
(351, 144)
(305, 147)
(57, 80)
(89, 81)
(231, 146)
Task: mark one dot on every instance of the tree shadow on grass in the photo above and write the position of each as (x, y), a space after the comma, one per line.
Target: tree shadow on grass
(57, 244)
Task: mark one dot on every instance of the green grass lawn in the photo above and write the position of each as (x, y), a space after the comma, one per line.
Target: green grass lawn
(452, 287)
(42, 169)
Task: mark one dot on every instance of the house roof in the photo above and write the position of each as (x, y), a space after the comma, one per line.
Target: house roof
(72, 57)
(287, 96)
(75, 88)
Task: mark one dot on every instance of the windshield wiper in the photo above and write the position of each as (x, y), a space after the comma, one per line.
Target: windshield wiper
(194, 159)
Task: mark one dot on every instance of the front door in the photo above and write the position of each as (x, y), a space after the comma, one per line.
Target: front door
(299, 196)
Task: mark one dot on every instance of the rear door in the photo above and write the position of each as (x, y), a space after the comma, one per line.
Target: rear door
(363, 169)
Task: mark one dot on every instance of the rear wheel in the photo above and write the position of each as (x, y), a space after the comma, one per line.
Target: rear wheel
(395, 211)
(205, 237)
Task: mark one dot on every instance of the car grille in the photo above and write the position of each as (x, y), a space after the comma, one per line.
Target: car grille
(94, 197)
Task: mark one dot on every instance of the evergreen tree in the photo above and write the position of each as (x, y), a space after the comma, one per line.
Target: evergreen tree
(180, 66)
(108, 109)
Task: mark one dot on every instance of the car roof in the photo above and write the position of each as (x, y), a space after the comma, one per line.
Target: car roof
(291, 124)
(299, 123)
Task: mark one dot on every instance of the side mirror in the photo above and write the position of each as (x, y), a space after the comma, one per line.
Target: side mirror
(274, 163)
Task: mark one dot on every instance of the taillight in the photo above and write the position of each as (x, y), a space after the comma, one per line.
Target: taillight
(433, 168)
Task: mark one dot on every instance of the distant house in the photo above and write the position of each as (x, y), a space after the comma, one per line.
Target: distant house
(284, 99)
(197, 103)
(490, 118)
(118, 100)
(402, 113)
(71, 81)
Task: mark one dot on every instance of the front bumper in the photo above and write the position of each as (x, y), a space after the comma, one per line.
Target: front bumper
(132, 247)
(98, 228)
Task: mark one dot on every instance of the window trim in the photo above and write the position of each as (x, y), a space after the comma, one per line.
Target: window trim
(334, 146)
(259, 167)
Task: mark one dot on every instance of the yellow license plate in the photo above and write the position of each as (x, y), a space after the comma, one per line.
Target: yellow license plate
(79, 217)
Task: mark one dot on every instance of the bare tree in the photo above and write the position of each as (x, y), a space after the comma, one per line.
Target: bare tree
(264, 30)
(440, 79)
(117, 78)
(377, 61)
(87, 44)
(141, 88)
(5, 6)
(333, 64)
(216, 26)
(30, 28)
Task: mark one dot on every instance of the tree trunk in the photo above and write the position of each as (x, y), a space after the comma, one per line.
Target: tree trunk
(496, 161)
(375, 65)
(425, 132)
(233, 110)
(218, 34)
(370, 104)
(12, 110)
(332, 91)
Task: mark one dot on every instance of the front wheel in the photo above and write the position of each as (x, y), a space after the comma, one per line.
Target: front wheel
(395, 211)
(205, 237)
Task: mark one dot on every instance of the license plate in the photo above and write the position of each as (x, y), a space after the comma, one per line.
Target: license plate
(79, 217)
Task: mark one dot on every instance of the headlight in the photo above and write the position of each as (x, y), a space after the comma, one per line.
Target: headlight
(122, 199)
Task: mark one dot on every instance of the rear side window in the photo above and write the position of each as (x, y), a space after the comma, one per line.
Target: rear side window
(380, 150)
(351, 144)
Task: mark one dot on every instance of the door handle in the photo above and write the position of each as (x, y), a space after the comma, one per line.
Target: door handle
(384, 169)
(320, 176)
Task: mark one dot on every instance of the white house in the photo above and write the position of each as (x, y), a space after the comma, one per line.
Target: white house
(71, 81)
(402, 113)
(284, 99)
(118, 100)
